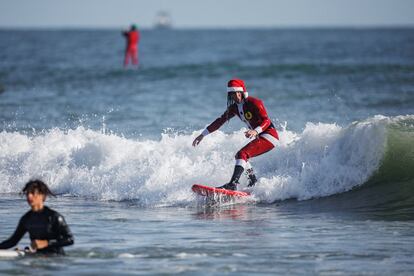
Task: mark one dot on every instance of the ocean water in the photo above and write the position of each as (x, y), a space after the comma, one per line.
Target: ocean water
(335, 197)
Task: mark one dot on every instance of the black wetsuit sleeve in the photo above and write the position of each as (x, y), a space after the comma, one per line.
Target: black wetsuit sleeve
(64, 235)
(16, 237)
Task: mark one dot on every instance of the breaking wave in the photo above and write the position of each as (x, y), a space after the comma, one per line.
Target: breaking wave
(323, 160)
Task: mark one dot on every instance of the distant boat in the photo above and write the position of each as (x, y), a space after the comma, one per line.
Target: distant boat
(163, 20)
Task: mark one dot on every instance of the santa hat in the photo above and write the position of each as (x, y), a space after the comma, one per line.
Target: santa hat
(237, 85)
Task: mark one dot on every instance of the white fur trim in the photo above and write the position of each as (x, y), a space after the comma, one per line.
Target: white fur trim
(259, 129)
(241, 113)
(241, 162)
(246, 94)
(235, 89)
(270, 138)
(205, 132)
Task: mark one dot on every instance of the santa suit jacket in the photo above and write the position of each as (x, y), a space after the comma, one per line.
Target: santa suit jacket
(253, 113)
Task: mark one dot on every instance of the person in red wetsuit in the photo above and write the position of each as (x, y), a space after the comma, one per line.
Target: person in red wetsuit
(252, 112)
(131, 50)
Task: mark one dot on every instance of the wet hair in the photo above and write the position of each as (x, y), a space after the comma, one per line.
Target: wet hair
(230, 102)
(37, 185)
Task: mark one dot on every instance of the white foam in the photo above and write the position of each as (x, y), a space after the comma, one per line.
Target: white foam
(324, 159)
(184, 255)
(131, 256)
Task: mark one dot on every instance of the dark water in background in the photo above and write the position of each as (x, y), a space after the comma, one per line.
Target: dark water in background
(61, 77)
(116, 145)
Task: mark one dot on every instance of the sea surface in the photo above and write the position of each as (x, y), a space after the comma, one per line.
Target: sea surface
(335, 197)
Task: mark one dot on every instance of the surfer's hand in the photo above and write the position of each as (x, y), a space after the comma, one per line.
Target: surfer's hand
(39, 244)
(198, 140)
(251, 133)
(28, 249)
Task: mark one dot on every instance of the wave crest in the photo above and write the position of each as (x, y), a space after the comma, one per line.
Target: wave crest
(323, 160)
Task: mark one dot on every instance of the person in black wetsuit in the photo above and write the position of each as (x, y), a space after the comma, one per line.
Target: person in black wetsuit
(47, 228)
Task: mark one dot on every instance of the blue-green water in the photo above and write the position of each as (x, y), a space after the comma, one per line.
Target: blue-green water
(335, 197)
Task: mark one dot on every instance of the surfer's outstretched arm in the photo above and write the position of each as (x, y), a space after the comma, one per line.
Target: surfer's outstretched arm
(15, 238)
(227, 115)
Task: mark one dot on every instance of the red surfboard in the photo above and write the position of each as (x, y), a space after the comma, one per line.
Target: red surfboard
(211, 191)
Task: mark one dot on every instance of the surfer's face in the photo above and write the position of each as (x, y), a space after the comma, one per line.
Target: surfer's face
(35, 199)
(237, 97)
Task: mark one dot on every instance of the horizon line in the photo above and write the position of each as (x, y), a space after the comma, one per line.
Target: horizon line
(91, 27)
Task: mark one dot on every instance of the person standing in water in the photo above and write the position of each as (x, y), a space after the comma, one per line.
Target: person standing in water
(48, 230)
(131, 50)
(252, 112)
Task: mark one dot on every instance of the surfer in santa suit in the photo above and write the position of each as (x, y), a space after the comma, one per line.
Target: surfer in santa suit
(47, 228)
(261, 130)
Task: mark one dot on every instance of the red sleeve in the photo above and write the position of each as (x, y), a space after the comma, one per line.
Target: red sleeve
(227, 115)
(263, 116)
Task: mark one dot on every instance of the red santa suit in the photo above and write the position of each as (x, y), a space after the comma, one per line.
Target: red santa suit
(253, 113)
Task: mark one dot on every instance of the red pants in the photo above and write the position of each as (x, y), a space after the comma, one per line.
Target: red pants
(254, 148)
(131, 53)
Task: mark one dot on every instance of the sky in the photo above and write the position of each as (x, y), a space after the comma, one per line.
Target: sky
(206, 14)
